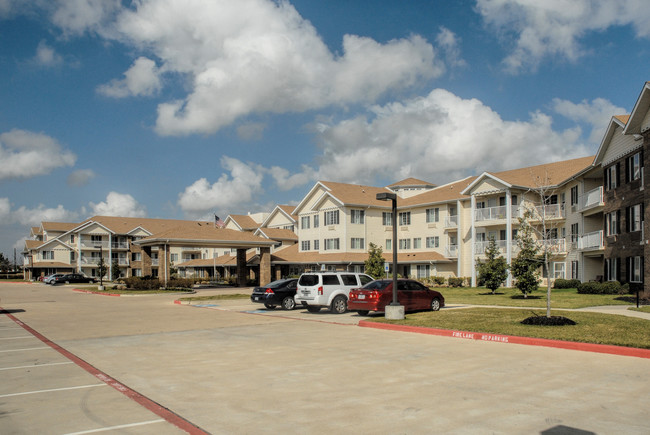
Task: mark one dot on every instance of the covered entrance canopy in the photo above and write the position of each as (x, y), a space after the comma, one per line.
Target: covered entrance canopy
(206, 235)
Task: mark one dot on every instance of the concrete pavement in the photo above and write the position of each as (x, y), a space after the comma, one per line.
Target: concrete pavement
(232, 372)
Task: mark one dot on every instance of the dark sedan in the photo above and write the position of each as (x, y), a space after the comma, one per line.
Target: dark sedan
(280, 292)
(73, 278)
(375, 295)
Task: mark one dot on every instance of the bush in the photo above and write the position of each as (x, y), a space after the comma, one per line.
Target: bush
(137, 283)
(438, 280)
(455, 282)
(604, 288)
(184, 283)
(566, 283)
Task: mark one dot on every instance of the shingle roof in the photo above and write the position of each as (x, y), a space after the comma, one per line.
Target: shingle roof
(622, 118)
(412, 182)
(288, 209)
(354, 194)
(549, 174)
(278, 234)
(245, 222)
(206, 232)
(33, 244)
(447, 192)
(123, 225)
(59, 226)
(291, 254)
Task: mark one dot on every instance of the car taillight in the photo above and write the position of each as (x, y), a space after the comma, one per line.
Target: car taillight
(373, 295)
(269, 291)
(320, 290)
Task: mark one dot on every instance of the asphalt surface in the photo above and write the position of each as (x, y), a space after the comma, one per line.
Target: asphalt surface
(235, 368)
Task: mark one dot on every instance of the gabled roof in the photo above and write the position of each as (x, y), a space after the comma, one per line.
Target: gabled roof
(243, 222)
(286, 210)
(412, 182)
(634, 124)
(205, 233)
(32, 244)
(293, 255)
(534, 177)
(445, 193)
(345, 194)
(615, 123)
(58, 226)
(276, 234)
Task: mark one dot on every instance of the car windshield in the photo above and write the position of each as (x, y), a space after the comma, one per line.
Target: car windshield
(376, 285)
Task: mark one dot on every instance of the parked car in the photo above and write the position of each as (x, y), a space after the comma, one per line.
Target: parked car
(411, 294)
(280, 292)
(328, 290)
(50, 278)
(73, 278)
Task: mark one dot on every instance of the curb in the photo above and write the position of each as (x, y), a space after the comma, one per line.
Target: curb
(95, 293)
(558, 344)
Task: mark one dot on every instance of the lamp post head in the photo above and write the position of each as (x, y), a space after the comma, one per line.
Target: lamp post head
(386, 196)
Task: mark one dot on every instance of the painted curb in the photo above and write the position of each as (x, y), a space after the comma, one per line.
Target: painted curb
(95, 293)
(165, 413)
(570, 345)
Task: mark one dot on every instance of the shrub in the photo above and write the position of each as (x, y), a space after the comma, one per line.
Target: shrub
(438, 280)
(181, 283)
(605, 288)
(566, 283)
(455, 282)
(146, 283)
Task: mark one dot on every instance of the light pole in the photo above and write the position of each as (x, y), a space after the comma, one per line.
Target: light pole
(394, 310)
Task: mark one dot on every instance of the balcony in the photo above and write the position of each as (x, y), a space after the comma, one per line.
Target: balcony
(495, 213)
(91, 260)
(191, 249)
(591, 241)
(154, 262)
(480, 247)
(555, 246)
(591, 200)
(451, 221)
(549, 211)
(120, 245)
(451, 251)
(94, 244)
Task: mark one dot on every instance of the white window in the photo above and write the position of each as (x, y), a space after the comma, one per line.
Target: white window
(405, 218)
(611, 269)
(558, 270)
(611, 178)
(404, 243)
(424, 270)
(635, 265)
(611, 223)
(634, 218)
(316, 245)
(331, 244)
(136, 256)
(633, 167)
(305, 245)
(47, 255)
(304, 222)
(387, 219)
(574, 270)
(389, 244)
(574, 233)
(417, 243)
(316, 221)
(357, 243)
(434, 242)
(174, 258)
(332, 217)
(574, 195)
(357, 216)
(137, 272)
(433, 215)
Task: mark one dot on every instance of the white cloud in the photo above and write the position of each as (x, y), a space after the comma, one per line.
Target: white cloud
(26, 154)
(142, 79)
(78, 16)
(46, 56)
(286, 180)
(555, 27)
(439, 137)
(80, 177)
(449, 43)
(596, 113)
(119, 204)
(34, 216)
(251, 131)
(241, 57)
(228, 193)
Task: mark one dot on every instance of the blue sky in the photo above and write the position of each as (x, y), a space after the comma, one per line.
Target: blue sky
(185, 108)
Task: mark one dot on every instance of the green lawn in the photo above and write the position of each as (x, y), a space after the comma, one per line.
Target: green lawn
(590, 328)
(645, 309)
(108, 290)
(214, 297)
(512, 297)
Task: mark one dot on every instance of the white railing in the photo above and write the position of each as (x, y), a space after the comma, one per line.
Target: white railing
(553, 245)
(94, 244)
(495, 213)
(593, 198)
(190, 248)
(154, 262)
(92, 260)
(480, 247)
(593, 240)
(451, 251)
(549, 211)
(120, 245)
(451, 221)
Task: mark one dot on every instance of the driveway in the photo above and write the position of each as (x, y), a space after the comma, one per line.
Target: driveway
(228, 371)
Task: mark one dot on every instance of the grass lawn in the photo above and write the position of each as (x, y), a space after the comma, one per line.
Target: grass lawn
(512, 297)
(108, 290)
(591, 327)
(642, 309)
(214, 297)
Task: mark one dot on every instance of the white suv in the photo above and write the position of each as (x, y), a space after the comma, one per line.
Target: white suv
(318, 290)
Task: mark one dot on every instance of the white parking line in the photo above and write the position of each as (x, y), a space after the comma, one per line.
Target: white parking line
(36, 365)
(52, 390)
(16, 338)
(28, 348)
(104, 429)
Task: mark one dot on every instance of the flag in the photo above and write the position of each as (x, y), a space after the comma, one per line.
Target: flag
(218, 223)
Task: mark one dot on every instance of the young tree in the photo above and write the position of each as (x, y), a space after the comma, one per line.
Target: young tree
(494, 270)
(102, 268)
(115, 273)
(375, 263)
(524, 266)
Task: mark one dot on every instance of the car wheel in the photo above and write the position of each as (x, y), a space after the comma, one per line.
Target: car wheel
(339, 305)
(435, 304)
(313, 309)
(269, 306)
(363, 312)
(288, 303)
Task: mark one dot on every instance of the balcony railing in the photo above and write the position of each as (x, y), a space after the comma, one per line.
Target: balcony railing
(593, 240)
(591, 199)
(480, 247)
(495, 213)
(553, 245)
(191, 248)
(120, 245)
(92, 260)
(154, 262)
(94, 244)
(451, 251)
(451, 221)
(549, 211)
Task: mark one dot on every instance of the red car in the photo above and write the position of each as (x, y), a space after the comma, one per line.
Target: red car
(375, 295)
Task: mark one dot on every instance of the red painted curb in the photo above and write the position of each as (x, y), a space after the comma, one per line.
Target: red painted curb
(147, 403)
(95, 293)
(177, 302)
(572, 345)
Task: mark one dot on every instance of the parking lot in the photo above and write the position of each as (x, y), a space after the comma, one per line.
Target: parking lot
(233, 368)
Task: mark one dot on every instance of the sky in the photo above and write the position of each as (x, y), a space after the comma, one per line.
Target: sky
(188, 108)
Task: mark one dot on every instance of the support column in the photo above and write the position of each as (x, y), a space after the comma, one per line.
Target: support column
(509, 235)
(241, 268)
(265, 266)
(473, 240)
